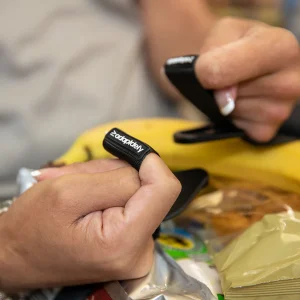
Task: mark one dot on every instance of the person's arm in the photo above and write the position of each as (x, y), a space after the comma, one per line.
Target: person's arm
(253, 68)
(173, 28)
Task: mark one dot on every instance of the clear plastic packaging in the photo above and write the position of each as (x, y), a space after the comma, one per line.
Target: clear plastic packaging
(232, 207)
(264, 262)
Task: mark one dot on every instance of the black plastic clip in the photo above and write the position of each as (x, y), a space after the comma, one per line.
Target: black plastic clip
(181, 73)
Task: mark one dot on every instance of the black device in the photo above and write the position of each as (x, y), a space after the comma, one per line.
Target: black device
(182, 76)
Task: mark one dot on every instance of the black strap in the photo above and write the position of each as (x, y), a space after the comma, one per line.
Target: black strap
(126, 147)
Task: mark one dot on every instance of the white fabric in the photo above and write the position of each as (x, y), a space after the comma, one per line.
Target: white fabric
(66, 66)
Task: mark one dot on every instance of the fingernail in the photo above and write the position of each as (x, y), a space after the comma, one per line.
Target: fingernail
(36, 173)
(226, 100)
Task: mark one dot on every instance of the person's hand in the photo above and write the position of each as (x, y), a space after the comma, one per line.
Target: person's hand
(255, 65)
(85, 223)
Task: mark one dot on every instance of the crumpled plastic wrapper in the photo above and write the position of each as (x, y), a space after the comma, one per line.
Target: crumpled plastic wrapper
(166, 281)
(234, 206)
(25, 180)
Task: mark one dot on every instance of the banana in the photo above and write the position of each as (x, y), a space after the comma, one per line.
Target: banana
(277, 166)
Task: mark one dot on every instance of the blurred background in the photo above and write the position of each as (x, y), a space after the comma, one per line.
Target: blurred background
(276, 12)
(283, 13)
(68, 66)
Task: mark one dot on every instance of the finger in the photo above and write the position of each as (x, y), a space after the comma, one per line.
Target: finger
(226, 31)
(148, 207)
(244, 59)
(262, 110)
(81, 194)
(260, 132)
(215, 38)
(285, 84)
(94, 166)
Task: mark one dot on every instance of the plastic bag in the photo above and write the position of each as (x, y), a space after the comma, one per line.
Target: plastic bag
(264, 262)
(166, 281)
(232, 207)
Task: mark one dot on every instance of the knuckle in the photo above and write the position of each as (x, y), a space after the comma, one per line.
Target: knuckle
(174, 185)
(290, 42)
(101, 164)
(277, 114)
(131, 175)
(131, 172)
(59, 191)
(289, 87)
(170, 186)
(264, 134)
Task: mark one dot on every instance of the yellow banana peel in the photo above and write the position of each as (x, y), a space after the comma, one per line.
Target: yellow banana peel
(277, 166)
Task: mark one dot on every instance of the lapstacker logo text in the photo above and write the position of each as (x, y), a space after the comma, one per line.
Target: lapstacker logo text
(126, 141)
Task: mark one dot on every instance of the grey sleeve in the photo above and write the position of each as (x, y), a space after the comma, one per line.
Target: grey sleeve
(126, 5)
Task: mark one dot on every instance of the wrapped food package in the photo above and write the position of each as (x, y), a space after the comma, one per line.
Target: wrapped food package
(233, 206)
(264, 262)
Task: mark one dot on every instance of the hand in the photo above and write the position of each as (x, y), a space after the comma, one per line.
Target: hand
(85, 223)
(256, 66)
